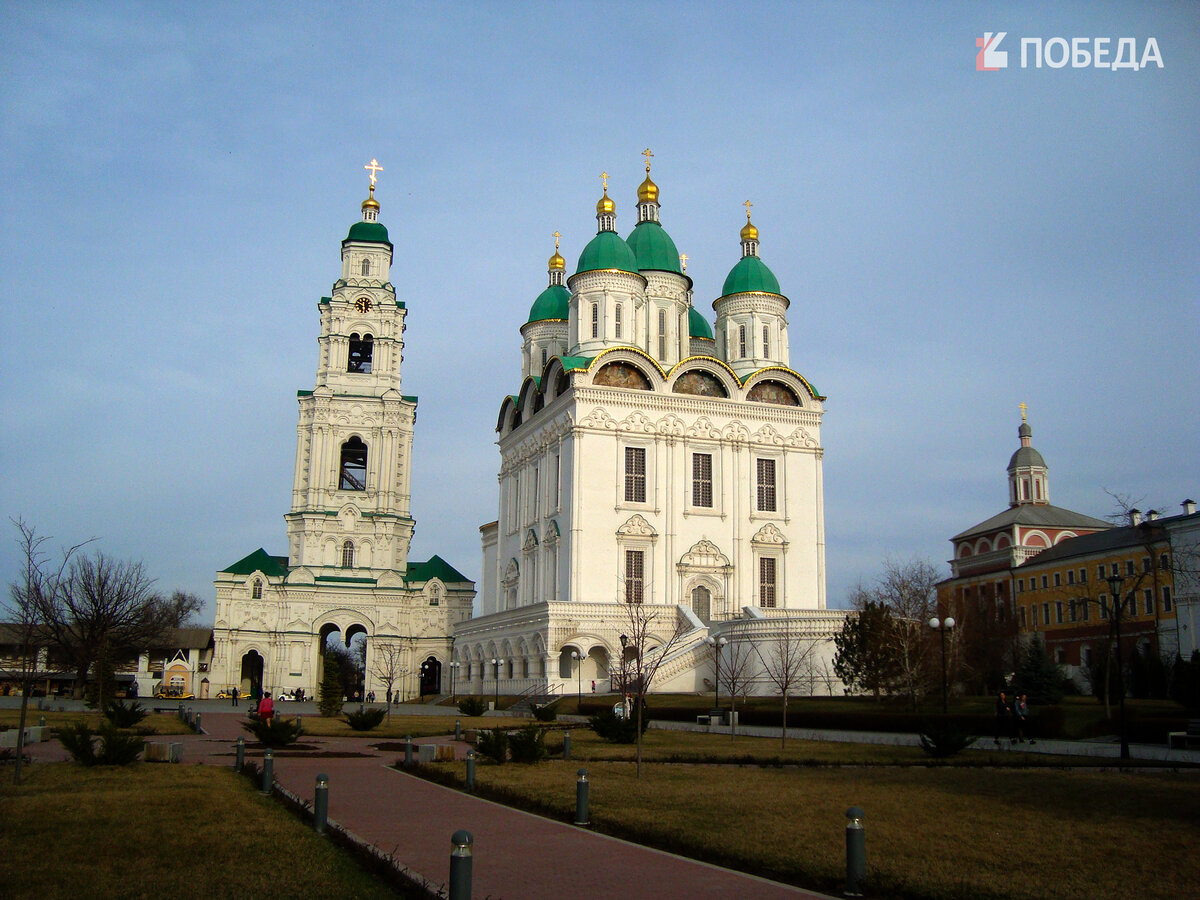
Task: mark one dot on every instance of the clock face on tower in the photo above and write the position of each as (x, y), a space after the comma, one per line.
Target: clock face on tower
(363, 305)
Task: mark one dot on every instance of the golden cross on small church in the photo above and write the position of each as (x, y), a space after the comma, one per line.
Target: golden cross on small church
(556, 237)
(646, 153)
(683, 258)
(1023, 408)
(373, 168)
(604, 180)
(747, 204)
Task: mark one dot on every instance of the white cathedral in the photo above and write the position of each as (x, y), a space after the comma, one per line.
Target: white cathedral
(347, 569)
(646, 459)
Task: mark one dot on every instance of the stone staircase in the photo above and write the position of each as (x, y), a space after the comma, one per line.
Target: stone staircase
(538, 695)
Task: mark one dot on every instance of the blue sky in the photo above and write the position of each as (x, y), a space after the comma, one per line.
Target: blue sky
(177, 179)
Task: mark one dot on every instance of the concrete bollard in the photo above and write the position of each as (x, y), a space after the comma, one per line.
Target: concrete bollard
(581, 799)
(182, 716)
(41, 721)
(407, 751)
(239, 758)
(321, 803)
(268, 771)
(567, 744)
(199, 730)
(460, 865)
(458, 729)
(470, 770)
(856, 853)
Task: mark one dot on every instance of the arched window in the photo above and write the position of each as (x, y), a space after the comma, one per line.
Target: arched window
(766, 340)
(348, 555)
(543, 357)
(662, 334)
(702, 603)
(595, 320)
(617, 323)
(741, 342)
(361, 351)
(256, 589)
(366, 267)
(354, 465)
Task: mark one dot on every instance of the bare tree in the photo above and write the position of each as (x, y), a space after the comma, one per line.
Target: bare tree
(738, 670)
(390, 666)
(103, 608)
(787, 661)
(651, 644)
(39, 581)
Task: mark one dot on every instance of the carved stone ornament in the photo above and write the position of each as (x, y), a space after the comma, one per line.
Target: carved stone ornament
(704, 554)
(768, 534)
(638, 422)
(703, 428)
(637, 527)
(671, 425)
(801, 438)
(736, 431)
(598, 418)
(531, 541)
(768, 435)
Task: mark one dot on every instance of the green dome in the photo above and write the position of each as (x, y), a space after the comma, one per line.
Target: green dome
(698, 326)
(550, 304)
(750, 275)
(653, 248)
(607, 251)
(371, 232)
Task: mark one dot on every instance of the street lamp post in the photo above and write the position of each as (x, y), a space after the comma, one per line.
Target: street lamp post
(1115, 583)
(717, 643)
(578, 681)
(453, 667)
(496, 675)
(941, 627)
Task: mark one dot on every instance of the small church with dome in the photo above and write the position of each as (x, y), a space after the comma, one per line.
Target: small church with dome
(649, 458)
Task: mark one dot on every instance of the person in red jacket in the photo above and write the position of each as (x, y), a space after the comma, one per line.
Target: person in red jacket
(266, 708)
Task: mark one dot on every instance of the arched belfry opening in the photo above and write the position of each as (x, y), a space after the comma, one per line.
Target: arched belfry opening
(431, 676)
(251, 678)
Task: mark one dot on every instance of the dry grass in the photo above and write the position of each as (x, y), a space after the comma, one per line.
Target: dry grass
(931, 832)
(161, 831)
(398, 727)
(155, 723)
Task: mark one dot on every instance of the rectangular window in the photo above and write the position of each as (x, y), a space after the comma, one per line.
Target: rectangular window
(635, 576)
(1145, 564)
(635, 475)
(534, 501)
(741, 342)
(1072, 611)
(702, 480)
(1100, 572)
(662, 334)
(1021, 615)
(1084, 609)
(1128, 567)
(1045, 583)
(766, 582)
(554, 485)
(766, 485)
(617, 322)
(595, 320)
(1033, 615)
(1020, 585)
(1070, 576)
(1083, 576)
(1166, 598)
(1045, 613)
(1148, 600)
(1058, 619)
(766, 341)
(1103, 606)
(1057, 579)
(1116, 569)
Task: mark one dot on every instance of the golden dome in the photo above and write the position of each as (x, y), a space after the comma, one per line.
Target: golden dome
(749, 232)
(605, 205)
(557, 262)
(371, 202)
(647, 191)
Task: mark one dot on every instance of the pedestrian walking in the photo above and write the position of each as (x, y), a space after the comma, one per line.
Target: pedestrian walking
(1020, 713)
(266, 708)
(233, 697)
(1003, 716)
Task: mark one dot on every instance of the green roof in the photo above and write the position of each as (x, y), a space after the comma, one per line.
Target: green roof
(370, 232)
(436, 567)
(550, 304)
(698, 326)
(750, 275)
(607, 251)
(259, 561)
(576, 363)
(653, 248)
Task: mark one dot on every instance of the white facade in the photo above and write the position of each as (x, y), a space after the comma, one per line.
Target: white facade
(350, 525)
(634, 471)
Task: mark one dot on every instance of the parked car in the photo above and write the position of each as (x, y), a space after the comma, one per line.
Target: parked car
(173, 694)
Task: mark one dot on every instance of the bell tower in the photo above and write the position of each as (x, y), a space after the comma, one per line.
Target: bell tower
(351, 495)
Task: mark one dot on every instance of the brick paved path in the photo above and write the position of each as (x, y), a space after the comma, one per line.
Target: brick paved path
(517, 856)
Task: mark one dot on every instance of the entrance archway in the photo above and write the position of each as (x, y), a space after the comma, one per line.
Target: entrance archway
(252, 674)
(431, 677)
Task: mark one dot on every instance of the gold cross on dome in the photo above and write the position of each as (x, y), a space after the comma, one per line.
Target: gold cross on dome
(1023, 408)
(556, 237)
(747, 204)
(604, 180)
(683, 258)
(646, 153)
(373, 168)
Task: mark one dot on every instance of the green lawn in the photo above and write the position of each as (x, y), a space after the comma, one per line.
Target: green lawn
(162, 831)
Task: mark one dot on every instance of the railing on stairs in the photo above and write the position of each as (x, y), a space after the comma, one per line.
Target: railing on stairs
(537, 694)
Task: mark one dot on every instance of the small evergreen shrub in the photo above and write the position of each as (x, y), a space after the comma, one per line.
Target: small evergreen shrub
(612, 728)
(365, 719)
(545, 712)
(493, 744)
(942, 739)
(124, 716)
(116, 748)
(471, 706)
(329, 699)
(528, 744)
(274, 732)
